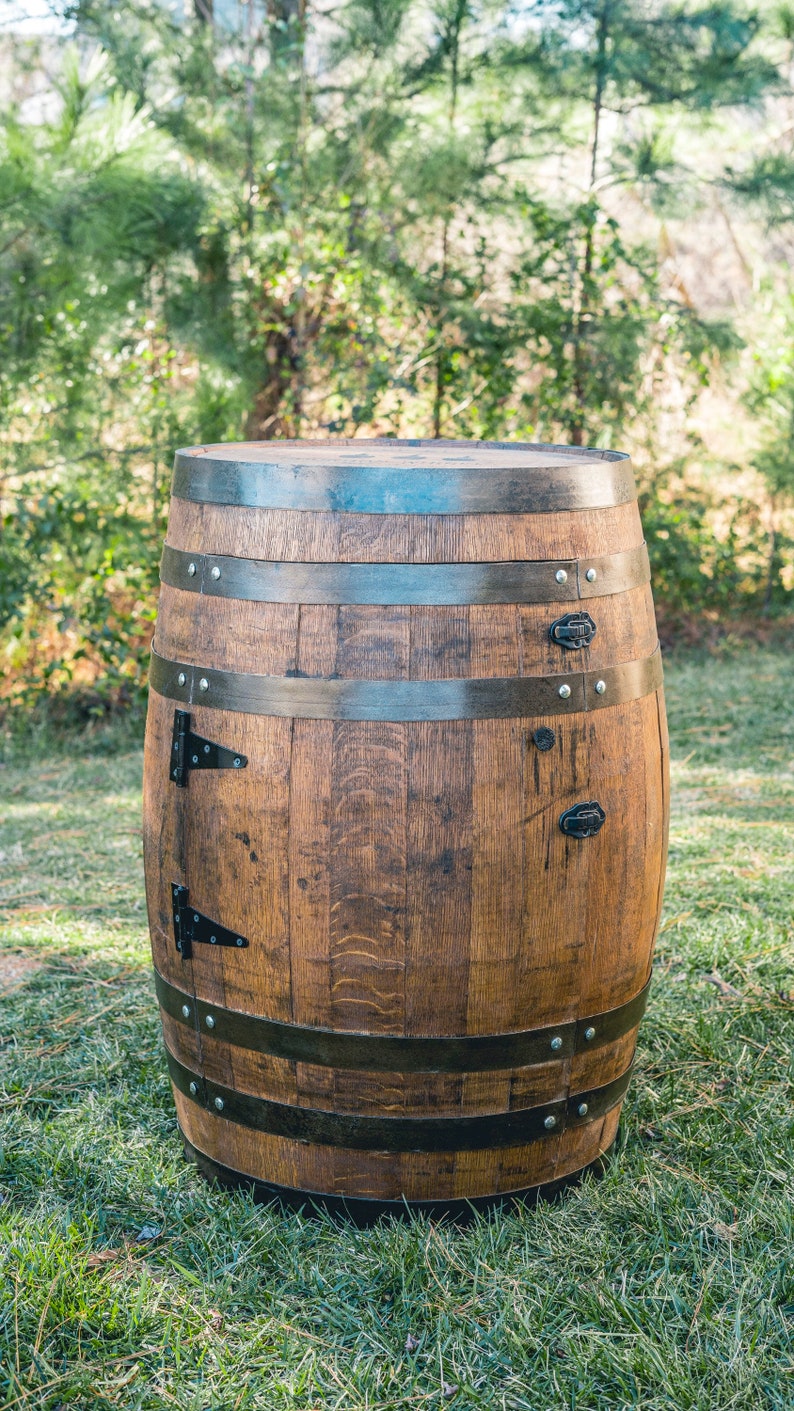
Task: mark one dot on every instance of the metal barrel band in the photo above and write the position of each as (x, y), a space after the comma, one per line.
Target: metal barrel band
(365, 1210)
(374, 1133)
(398, 1053)
(390, 584)
(599, 482)
(334, 698)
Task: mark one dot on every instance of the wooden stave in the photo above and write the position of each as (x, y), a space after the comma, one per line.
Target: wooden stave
(366, 1211)
(297, 536)
(477, 1097)
(267, 738)
(410, 1181)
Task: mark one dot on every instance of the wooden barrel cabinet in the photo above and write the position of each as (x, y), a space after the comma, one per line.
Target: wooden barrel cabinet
(405, 815)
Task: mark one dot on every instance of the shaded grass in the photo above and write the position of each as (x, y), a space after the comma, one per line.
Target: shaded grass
(669, 1284)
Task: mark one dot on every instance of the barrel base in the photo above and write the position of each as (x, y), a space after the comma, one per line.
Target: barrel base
(364, 1211)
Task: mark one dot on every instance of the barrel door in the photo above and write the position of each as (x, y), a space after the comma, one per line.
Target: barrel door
(405, 814)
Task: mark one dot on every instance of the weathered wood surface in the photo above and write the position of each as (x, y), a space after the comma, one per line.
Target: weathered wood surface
(407, 877)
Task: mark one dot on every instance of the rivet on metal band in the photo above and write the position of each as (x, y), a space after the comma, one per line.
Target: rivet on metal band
(375, 1133)
(355, 698)
(398, 1053)
(536, 581)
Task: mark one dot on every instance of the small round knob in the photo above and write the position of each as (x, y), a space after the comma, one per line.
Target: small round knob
(556, 1043)
(204, 684)
(181, 679)
(582, 1109)
(600, 687)
(550, 1123)
(191, 570)
(219, 1103)
(561, 575)
(544, 738)
(186, 1011)
(565, 692)
(589, 1034)
(215, 572)
(193, 1089)
(210, 1022)
(591, 575)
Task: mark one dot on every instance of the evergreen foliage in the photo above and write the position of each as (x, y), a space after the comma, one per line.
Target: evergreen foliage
(383, 217)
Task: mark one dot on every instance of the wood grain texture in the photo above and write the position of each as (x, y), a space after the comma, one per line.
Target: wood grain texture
(235, 635)
(407, 877)
(323, 537)
(405, 455)
(443, 1176)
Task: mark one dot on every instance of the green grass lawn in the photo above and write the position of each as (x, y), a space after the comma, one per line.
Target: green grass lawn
(668, 1284)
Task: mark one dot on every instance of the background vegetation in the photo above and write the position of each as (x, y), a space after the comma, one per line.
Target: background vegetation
(551, 220)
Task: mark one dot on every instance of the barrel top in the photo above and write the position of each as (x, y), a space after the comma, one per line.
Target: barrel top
(385, 476)
(389, 453)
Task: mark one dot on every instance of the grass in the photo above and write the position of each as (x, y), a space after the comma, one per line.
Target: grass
(127, 1282)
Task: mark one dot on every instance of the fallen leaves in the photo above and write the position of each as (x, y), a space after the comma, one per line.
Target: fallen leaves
(127, 1253)
(674, 921)
(101, 1257)
(725, 1232)
(15, 968)
(722, 985)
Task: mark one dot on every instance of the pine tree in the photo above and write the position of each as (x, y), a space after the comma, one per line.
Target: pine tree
(93, 209)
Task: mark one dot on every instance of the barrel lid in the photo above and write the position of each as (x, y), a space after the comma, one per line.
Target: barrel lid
(388, 476)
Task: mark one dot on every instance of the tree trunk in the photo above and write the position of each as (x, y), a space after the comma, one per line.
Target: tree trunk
(267, 418)
(771, 557)
(583, 312)
(453, 37)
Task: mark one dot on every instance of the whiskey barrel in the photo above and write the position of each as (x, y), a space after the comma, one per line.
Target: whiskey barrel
(405, 815)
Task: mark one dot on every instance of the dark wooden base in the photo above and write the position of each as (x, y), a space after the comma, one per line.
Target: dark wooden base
(362, 1211)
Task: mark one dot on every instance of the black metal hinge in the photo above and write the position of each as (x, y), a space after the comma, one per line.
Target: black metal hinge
(191, 751)
(583, 820)
(190, 926)
(574, 631)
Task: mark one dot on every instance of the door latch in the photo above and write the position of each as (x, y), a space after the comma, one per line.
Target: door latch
(574, 631)
(583, 820)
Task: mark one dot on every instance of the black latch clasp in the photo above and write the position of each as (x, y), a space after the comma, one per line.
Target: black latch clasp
(583, 820)
(575, 630)
(191, 751)
(190, 926)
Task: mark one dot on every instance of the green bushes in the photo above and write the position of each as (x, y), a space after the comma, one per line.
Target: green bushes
(463, 228)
